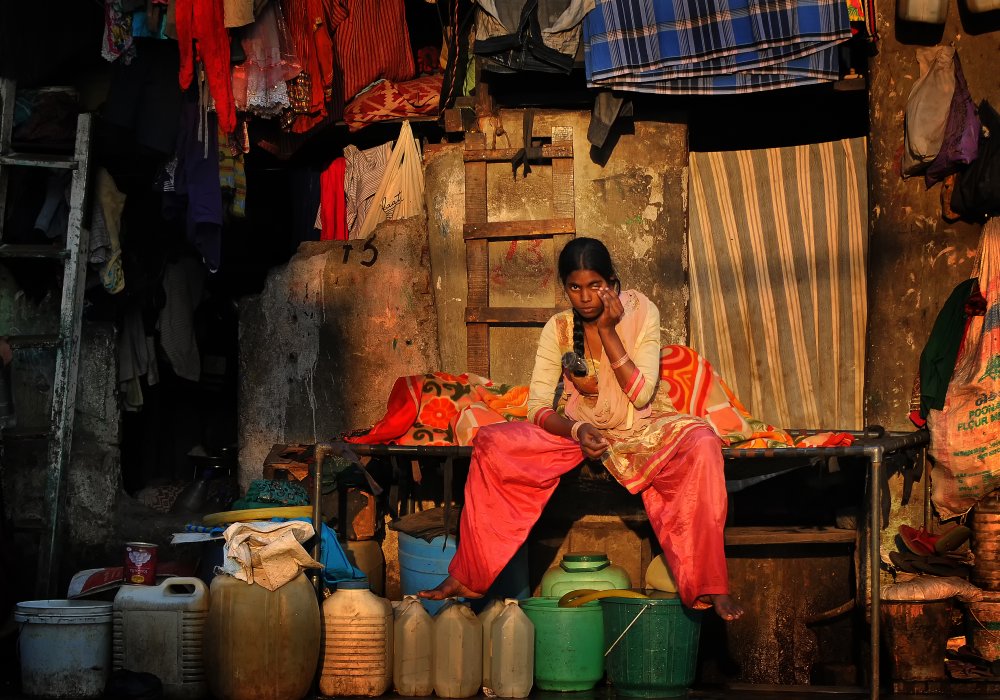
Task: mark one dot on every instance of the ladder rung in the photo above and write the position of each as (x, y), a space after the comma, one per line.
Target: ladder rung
(34, 341)
(22, 250)
(735, 536)
(28, 525)
(40, 160)
(507, 154)
(27, 433)
(532, 228)
(508, 314)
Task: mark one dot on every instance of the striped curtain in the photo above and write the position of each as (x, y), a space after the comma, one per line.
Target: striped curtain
(778, 259)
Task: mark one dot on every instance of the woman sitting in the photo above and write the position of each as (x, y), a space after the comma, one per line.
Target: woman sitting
(607, 351)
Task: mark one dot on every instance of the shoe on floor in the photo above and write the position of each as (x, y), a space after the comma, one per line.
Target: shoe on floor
(903, 561)
(918, 541)
(940, 566)
(952, 539)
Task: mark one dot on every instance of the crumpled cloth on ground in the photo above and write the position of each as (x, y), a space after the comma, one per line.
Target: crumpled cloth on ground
(266, 553)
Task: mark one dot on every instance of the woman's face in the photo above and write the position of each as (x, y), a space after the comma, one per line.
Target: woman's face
(581, 288)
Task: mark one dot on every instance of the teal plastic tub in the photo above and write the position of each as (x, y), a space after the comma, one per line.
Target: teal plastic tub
(653, 646)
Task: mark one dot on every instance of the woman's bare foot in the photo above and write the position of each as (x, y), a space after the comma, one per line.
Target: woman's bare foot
(725, 607)
(451, 587)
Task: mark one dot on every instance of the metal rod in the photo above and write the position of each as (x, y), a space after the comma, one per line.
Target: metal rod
(875, 563)
(320, 453)
(637, 616)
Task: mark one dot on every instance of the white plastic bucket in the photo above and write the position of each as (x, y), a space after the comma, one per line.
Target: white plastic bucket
(65, 647)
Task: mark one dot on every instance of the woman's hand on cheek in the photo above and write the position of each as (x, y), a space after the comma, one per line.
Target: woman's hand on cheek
(613, 309)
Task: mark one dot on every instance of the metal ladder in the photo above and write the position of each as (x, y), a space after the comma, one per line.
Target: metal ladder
(66, 342)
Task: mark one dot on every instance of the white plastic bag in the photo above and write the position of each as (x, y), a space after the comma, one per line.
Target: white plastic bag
(927, 108)
(401, 192)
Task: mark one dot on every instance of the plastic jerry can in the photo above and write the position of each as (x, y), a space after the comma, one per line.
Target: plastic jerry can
(458, 651)
(413, 649)
(982, 5)
(512, 667)
(926, 11)
(357, 659)
(583, 570)
(261, 644)
(486, 618)
(159, 630)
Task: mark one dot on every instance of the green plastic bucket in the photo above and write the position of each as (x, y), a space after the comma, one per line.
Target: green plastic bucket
(569, 644)
(652, 646)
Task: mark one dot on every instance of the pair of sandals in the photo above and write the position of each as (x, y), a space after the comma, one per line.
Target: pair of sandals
(923, 552)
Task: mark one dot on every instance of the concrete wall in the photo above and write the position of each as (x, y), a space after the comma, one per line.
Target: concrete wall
(916, 258)
(635, 203)
(321, 347)
(92, 481)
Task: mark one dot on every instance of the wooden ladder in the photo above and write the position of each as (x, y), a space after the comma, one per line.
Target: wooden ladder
(479, 231)
(66, 342)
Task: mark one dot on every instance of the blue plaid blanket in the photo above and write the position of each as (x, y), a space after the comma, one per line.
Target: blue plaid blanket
(713, 46)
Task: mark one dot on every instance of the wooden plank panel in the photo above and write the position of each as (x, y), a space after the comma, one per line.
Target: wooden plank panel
(478, 353)
(477, 262)
(34, 341)
(788, 535)
(39, 160)
(27, 433)
(563, 201)
(563, 194)
(508, 314)
(532, 228)
(555, 151)
(22, 250)
(477, 255)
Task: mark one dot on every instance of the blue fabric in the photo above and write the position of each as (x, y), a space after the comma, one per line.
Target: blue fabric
(336, 565)
(713, 46)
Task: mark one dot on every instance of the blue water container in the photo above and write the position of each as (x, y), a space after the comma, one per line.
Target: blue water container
(424, 564)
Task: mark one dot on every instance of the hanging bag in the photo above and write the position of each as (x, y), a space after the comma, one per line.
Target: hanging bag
(961, 133)
(401, 192)
(927, 108)
(965, 433)
(977, 188)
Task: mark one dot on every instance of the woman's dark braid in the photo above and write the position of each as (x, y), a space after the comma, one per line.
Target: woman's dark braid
(578, 344)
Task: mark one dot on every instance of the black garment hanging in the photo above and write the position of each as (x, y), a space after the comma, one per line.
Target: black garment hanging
(524, 49)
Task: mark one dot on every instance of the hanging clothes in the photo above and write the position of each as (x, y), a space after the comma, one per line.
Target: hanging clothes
(373, 42)
(538, 35)
(183, 282)
(333, 202)
(202, 21)
(108, 215)
(260, 82)
(117, 41)
(312, 24)
(197, 190)
(690, 47)
(362, 176)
